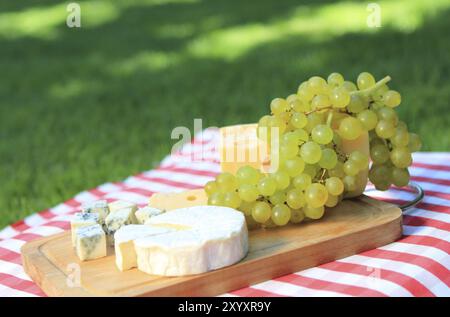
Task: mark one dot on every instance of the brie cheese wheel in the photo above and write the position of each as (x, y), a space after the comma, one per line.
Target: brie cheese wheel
(124, 243)
(203, 238)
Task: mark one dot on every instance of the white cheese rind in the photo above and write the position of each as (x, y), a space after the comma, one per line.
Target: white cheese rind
(82, 220)
(126, 257)
(90, 242)
(217, 237)
(144, 214)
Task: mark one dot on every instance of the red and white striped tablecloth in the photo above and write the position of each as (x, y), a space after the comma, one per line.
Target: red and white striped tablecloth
(416, 265)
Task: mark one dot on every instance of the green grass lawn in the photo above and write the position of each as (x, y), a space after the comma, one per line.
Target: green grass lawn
(80, 107)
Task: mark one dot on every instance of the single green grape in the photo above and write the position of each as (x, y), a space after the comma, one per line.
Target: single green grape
(226, 182)
(351, 168)
(297, 216)
(360, 159)
(368, 119)
(281, 214)
(401, 157)
(350, 183)
(302, 181)
(304, 93)
(311, 152)
(392, 98)
(246, 207)
(320, 101)
(211, 187)
(295, 198)
(334, 186)
(279, 105)
(291, 98)
(314, 212)
(337, 171)
(380, 173)
(232, 200)
(261, 212)
(357, 104)
(400, 176)
(328, 159)
(332, 201)
(379, 153)
(299, 120)
(401, 138)
(322, 134)
(340, 97)
(248, 192)
(335, 79)
(316, 195)
(388, 114)
(415, 143)
(385, 129)
(317, 84)
(290, 138)
(216, 199)
(288, 150)
(365, 80)
(247, 175)
(349, 86)
(294, 166)
(278, 198)
(282, 179)
(384, 185)
(267, 186)
(350, 128)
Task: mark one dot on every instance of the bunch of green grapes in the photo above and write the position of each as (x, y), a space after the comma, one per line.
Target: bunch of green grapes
(313, 171)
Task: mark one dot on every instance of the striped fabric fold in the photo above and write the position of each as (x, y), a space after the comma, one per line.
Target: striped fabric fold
(418, 264)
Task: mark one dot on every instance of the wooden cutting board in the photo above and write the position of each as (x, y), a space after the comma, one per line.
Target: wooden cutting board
(353, 226)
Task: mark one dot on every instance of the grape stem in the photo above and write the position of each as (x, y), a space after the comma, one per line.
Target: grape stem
(374, 88)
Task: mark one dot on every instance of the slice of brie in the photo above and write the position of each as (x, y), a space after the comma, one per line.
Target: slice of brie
(205, 238)
(123, 243)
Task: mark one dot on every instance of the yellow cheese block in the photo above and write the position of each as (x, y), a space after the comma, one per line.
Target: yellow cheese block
(171, 201)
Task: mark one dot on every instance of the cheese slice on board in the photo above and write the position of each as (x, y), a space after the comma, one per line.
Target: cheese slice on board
(123, 243)
(211, 238)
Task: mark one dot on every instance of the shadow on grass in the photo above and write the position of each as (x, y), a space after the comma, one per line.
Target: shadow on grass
(98, 104)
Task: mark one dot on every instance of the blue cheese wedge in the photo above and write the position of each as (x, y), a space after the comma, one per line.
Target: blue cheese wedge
(208, 238)
(124, 243)
(117, 219)
(90, 242)
(99, 207)
(81, 219)
(144, 214)
(121, 204)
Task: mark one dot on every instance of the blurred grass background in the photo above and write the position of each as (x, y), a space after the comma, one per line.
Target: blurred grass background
(80, 107)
